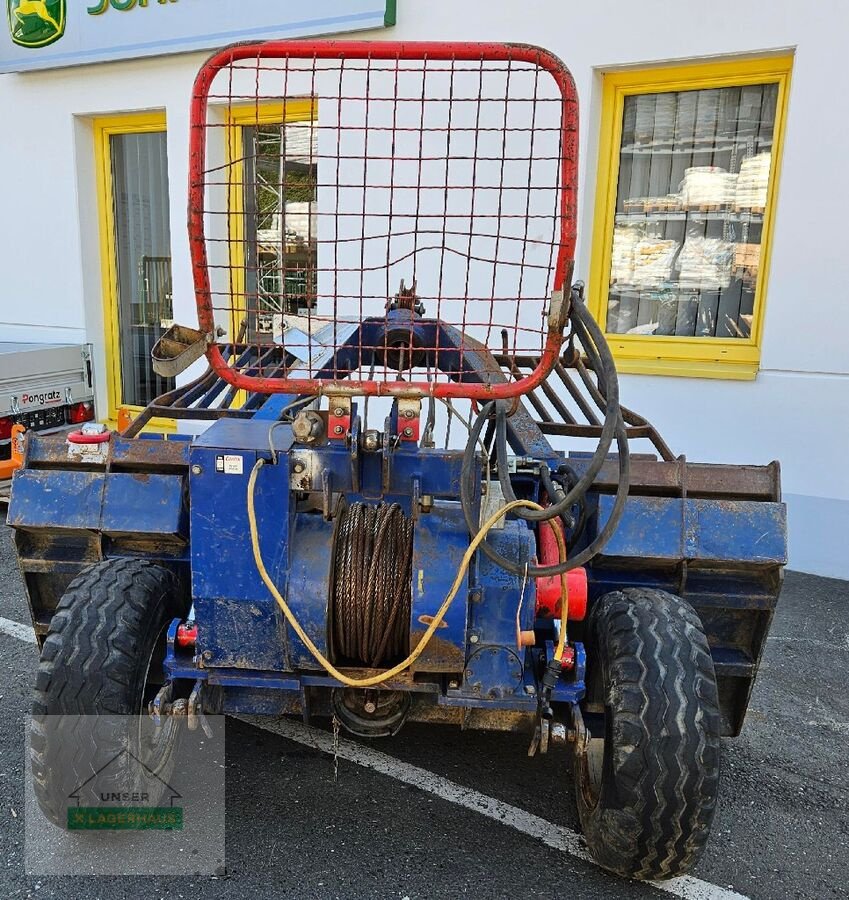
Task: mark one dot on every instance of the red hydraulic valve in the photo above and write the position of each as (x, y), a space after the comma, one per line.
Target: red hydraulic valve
(187, 636)
(549, 588)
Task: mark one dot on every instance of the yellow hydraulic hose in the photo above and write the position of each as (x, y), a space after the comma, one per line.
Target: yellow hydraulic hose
(379, 678)
(564, 591)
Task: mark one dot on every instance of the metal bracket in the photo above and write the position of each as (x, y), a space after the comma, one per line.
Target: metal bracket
(326, 494)
(409, 418)
(302, 466)
(194, 711)
(339, 418)
(558, 310)
(161, 703)
(355, 455)
(390, 441)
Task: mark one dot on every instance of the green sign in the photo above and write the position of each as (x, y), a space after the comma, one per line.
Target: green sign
(35, 23)
(107, 30)
(125, 818)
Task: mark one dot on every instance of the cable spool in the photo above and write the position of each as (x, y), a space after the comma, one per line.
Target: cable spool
(371, 588)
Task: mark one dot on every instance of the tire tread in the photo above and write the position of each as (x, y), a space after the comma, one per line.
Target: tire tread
(654, 811)
(91, 665)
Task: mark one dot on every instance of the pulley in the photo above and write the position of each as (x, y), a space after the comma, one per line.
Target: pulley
(371, 713)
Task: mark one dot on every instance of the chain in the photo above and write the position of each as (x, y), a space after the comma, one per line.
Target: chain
(335, 749)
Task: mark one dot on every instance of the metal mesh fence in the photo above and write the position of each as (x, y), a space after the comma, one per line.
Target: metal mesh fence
(364, 216)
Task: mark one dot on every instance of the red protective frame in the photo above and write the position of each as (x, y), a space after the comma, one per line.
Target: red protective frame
(382, 50)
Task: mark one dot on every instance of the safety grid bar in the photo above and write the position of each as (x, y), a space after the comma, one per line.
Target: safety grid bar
(381, 182)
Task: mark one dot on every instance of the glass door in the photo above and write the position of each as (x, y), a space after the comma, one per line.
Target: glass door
(141, 242)
(132, 166)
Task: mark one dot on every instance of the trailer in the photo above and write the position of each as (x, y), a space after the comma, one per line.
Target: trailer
(315, 552)
(43, 387)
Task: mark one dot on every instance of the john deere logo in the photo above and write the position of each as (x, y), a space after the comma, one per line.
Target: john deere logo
(36, 23)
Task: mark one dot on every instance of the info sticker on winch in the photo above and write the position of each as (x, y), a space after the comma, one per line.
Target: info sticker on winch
(230, 464)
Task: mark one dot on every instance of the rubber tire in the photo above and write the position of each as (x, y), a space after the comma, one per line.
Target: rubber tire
(647, 814)
(94, 664)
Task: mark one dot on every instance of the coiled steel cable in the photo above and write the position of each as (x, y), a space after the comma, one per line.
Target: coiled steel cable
(371, 593)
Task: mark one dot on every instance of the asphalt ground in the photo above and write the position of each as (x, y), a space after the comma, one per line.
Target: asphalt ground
(782, 829)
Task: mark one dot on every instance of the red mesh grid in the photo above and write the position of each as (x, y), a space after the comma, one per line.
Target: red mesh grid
(323, 175)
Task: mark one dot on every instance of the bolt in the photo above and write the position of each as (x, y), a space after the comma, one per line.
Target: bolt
(408, 432)
(453, 685)
(468, 673)
(371, 441)
(338, 429)
(408, 413)
(196, 470)
(530, 689)
(206, 656)
(370, 706)
(339, 411)
(559, 734)
(298, 467)
(474, 639)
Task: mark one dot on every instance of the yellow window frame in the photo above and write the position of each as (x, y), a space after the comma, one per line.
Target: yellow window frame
(701, 357)
(238, 118)
(104, 128)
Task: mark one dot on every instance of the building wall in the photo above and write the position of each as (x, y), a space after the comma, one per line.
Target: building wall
(797, 409)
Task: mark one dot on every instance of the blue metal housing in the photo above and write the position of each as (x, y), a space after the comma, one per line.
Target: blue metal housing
(713, 535)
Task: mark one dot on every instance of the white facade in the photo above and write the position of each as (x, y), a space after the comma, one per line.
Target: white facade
(796, 410)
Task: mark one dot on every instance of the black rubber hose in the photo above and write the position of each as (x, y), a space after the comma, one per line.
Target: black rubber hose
(550, 481)
(466, 479)
(593, 341)
(596, 348)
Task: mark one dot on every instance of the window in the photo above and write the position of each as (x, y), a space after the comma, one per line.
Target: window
(132, 170)
(686, 194)
(272, 170)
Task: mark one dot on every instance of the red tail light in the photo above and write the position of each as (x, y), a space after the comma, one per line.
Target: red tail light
(6, 424)
(80, 412)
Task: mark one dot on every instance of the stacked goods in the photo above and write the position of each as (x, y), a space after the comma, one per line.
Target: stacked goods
(664, 118)
(646, 104)
(708, 187)
(653, 261)
(705, 263)
(756, 110)
(685, 119)
(707, 115)
(667, 203)
(622, 255)
(747, 258)
(652, 117)
(753, 181)
(635, 204)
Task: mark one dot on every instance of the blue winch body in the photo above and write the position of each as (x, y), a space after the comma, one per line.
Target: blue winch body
(476, 644)
(715, 535)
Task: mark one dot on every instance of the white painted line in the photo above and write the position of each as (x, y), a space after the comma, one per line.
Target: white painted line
(16, 630)
(556, 836)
